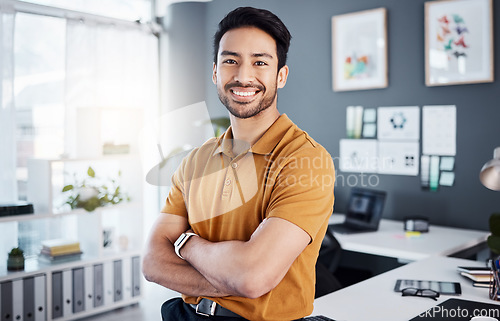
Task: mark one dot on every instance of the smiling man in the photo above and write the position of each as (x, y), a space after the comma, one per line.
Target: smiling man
(240, 232)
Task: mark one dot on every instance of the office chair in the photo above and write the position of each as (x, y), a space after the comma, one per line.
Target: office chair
(326, 265)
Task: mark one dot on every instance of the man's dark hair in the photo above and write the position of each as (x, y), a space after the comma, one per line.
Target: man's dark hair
(259, 18)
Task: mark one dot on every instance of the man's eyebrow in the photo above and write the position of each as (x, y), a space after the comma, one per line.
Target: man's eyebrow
(236, 54)
(229, 53)
(262, 54)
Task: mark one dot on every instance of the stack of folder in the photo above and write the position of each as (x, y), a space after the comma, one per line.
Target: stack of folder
(60, 250)
(480, 276)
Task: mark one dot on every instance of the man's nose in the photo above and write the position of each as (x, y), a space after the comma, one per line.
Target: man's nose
(244, 74)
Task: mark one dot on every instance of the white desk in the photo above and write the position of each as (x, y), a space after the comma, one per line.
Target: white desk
(390, 240)
(375, 299)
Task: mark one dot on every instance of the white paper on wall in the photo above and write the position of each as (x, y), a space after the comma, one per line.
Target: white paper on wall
(439, 127)
(358, 155)
(398, 158)
(398, 123)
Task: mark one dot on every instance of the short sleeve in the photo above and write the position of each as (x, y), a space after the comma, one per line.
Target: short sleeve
(303, 190)
(175, 203)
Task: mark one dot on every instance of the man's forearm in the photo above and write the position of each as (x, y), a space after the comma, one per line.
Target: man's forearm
(162, 266)
(218, 263)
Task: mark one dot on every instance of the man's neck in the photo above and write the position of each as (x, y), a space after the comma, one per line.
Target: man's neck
(251, 129)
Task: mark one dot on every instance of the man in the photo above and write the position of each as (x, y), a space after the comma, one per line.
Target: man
(247, 211)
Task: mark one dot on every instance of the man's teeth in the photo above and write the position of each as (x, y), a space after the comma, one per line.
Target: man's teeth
(244, 93)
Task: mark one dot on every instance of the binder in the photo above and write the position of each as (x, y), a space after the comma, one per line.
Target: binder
(127, 278)
(6, 303)
(57, 295)
(117, 281)
(89, 287)
(78, 290)
(67, 290)
(136, 276)
(98, 285)
(40, 302)
(29, 298)
(17, 299)
(108, 283)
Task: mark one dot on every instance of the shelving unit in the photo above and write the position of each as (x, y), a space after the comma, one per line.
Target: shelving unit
(105, 277)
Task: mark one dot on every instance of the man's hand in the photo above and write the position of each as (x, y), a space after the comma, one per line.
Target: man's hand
(253, 268)
(161, 265)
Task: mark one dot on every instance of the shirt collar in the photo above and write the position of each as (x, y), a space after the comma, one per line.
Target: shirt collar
(264, 145)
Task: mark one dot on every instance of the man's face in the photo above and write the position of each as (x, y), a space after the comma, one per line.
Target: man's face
(246, 73)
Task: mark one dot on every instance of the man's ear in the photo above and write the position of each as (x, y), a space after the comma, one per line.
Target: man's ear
(214, 73)
(282, 76)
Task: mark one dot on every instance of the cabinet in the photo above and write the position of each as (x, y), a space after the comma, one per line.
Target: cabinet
(106, 276)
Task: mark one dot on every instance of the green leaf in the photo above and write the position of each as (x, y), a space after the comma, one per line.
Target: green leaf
(91, 172)
(67, 188)
(495, 224)
(494, 243)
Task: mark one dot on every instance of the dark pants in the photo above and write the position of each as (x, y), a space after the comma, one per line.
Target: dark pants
(176, 310)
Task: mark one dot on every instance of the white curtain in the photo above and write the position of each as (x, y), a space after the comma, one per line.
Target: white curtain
(8, 186)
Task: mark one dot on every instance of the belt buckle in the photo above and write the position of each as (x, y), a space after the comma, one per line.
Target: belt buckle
(212, 309)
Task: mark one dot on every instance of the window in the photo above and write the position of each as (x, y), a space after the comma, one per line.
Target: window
(39, 74)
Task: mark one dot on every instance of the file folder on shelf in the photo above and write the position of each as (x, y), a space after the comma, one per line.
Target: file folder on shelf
(17, 299)
(108, 283)
(89, 287)
(118, 281)
(29, 298)
(127, 278)
(78, 290)
(136, 276)
(40, 302)
(67, 292)
(6, 303)
(98, 285)
(57, 295)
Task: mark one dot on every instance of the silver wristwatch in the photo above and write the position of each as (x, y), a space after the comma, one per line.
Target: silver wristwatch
(179, 243)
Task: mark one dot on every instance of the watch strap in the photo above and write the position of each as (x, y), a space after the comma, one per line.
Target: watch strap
(179, 243)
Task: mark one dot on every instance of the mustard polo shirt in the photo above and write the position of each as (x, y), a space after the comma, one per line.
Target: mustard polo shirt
(285, 174)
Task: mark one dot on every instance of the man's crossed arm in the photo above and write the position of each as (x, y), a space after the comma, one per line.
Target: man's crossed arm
(248, 269)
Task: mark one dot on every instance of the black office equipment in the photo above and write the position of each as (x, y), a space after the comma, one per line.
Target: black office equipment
(455, 310)
(20, 208)
(363, 213)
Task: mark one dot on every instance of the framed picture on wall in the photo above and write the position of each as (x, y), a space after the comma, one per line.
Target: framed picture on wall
(359, 50)
(458, 42)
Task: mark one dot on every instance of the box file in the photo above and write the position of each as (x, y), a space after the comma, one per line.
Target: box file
(117, 281)
(136, 276)
(89, 287)
(57, 295)
(108, 283)
(6, 296)
(17, 299)
(127, 278)
(29, 299)
(78, 290)
(98, 285)
(40, 303)
(67, 287)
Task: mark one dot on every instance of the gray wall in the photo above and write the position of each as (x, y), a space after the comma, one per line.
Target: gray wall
(308, 98)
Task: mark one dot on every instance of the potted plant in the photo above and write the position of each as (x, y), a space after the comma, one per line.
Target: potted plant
(494, 239)
(15, 261)
(91, 192)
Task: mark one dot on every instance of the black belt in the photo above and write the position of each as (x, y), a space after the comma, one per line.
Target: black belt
(208, 307)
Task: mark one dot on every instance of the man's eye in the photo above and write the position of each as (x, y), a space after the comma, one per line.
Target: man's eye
(229, 61)
(260, 63)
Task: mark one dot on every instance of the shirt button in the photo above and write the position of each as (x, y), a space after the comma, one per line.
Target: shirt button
(228, 182)
(234, 165)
